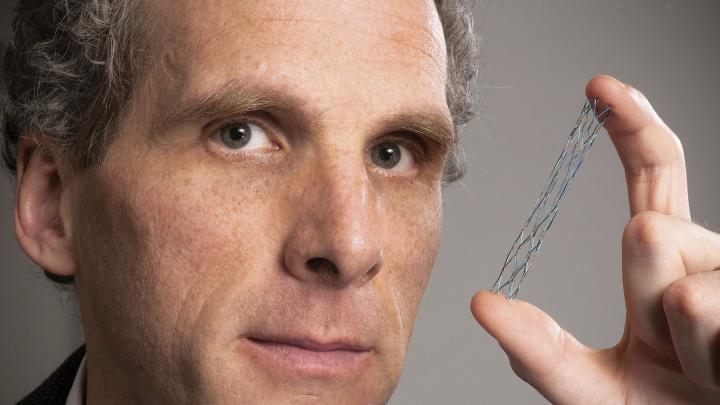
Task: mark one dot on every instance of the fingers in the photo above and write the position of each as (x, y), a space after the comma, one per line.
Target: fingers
(540, 351)
(534, 342)
(692, 306)
(671, 293)
(649, 151)
(657, 250)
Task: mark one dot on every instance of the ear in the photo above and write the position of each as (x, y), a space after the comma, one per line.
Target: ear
(41, 220)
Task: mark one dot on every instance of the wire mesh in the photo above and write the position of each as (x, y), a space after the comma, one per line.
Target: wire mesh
(527, 244)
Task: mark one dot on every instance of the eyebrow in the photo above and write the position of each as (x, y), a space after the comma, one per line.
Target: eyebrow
(232, 98)
(235, 98)
(432, 125)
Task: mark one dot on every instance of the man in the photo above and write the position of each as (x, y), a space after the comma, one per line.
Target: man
(247, 196)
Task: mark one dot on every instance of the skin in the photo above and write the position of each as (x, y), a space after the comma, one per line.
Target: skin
(182, 250)
(182, 247)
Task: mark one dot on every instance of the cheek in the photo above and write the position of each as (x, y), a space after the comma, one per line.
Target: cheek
(159, 247)
(412, 246)
(192, 233)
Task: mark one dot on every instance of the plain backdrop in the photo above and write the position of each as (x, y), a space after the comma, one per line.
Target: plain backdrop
(537, 57)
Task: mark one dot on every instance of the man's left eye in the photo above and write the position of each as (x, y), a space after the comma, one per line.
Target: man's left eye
(243, 135)
(392, 156)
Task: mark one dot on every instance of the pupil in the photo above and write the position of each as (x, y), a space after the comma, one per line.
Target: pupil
(386, 155)
(238, 132)
(237, 135)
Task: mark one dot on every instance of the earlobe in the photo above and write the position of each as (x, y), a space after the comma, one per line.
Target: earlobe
(41, 224)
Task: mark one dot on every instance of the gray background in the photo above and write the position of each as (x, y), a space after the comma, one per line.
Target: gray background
(538, 56)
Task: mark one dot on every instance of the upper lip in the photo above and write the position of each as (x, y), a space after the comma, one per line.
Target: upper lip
(313, 344)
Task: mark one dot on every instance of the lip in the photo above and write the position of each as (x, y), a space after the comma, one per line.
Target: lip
(314, 345)
(307, 357)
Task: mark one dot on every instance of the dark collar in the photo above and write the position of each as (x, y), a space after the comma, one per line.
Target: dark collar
(55, 389)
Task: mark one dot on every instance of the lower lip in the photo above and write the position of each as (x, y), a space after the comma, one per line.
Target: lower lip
(286, 358)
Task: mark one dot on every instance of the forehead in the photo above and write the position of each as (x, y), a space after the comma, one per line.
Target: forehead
(375, 53)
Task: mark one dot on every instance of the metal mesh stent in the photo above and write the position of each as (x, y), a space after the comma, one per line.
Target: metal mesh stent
(527, 244)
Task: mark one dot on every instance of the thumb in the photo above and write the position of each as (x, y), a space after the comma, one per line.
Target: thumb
(540, 351)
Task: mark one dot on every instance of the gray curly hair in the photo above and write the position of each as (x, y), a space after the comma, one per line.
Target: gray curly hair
(71, 66)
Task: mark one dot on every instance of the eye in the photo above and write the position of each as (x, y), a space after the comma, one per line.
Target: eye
(392, 155)
(243, 135)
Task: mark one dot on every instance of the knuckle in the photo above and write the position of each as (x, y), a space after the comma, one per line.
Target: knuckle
(686, 299)
(701, 377)
(645, 233)
(703, 380)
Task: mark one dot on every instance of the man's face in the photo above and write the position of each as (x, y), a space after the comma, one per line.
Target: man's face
(267, 217)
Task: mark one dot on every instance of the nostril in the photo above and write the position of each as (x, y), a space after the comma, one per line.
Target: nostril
(324, 270)
(319, 264)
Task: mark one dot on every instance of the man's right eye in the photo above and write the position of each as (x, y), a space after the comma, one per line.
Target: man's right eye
(243, 136)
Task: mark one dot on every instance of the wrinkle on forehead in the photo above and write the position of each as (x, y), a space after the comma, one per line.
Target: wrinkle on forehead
(368, 57)
(393, 51)
(198, 27)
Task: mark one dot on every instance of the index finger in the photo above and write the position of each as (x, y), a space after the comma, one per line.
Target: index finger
(650, 152)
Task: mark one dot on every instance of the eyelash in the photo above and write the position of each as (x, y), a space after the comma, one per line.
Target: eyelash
(214, 128)
(408, 139)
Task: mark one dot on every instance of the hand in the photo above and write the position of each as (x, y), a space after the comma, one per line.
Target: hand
(670, 350)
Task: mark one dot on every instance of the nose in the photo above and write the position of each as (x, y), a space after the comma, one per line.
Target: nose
(335, 240)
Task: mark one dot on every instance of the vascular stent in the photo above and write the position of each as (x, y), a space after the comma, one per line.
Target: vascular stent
(527, 244)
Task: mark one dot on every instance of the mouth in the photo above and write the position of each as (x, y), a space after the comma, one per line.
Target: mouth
(307, 357)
